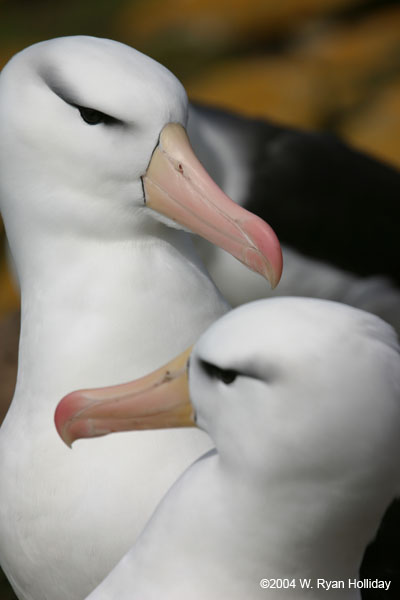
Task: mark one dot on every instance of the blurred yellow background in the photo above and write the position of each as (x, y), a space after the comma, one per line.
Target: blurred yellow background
(317, 64)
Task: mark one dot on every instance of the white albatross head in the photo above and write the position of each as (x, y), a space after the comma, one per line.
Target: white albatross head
(92, 138)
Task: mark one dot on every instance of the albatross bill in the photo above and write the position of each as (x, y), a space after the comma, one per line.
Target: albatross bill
(177, 186)
(156, 401)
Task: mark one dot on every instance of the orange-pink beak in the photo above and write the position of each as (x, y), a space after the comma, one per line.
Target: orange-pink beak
(177, 186)
(155, 401)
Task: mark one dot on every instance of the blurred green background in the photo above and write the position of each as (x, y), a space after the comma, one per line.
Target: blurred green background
(317, 64)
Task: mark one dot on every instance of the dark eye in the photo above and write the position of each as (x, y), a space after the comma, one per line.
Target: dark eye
(227, 376)
(94, 117)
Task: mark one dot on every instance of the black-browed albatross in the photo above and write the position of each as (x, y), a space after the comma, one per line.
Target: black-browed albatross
(91, 139)
(302, 399)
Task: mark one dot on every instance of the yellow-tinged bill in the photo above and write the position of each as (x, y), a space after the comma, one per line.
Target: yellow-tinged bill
(157, 401)
(177, 186)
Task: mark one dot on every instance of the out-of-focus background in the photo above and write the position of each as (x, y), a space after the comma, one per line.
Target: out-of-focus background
(318, 64)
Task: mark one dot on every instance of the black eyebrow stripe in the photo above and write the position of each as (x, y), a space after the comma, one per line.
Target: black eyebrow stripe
(64, 96)
(58, 88)
(213, 370)
(245, 370)
(61, 92)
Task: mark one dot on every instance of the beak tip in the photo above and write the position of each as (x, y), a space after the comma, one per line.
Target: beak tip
(272, 274)
(275, 278)
(277, 268)
(67, 443)
(62, 430)
(270, 269)
(66, 438)
(64, 412)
